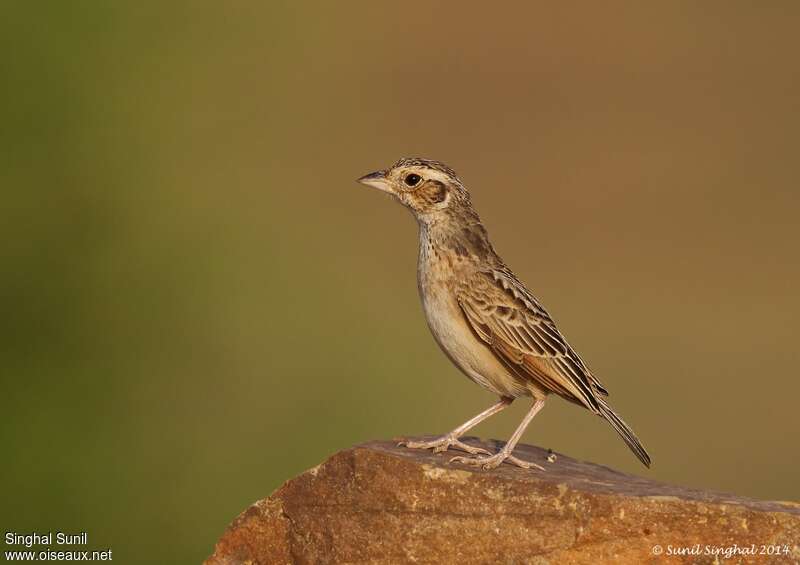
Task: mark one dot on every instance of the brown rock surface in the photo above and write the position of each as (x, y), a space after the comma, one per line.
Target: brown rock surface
(377, 503)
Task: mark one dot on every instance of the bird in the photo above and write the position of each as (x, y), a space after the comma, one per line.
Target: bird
(483, 317)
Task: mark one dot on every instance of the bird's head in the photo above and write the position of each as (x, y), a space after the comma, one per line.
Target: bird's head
(430, 189)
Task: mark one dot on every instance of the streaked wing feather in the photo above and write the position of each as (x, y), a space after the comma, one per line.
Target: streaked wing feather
(505, 315)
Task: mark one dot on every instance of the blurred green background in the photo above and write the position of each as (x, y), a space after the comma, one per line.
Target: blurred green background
(198, 302)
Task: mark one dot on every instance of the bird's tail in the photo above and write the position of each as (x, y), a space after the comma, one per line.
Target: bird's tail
(625, 432)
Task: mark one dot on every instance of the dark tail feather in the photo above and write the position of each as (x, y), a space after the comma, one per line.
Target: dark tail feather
(625, 432)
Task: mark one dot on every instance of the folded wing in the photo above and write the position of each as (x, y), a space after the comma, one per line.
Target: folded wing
(505, 315)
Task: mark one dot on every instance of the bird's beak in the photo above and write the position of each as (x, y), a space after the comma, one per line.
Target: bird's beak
(377, 180)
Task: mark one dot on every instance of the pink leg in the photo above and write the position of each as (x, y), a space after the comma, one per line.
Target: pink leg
(492, 461)
(446, 441)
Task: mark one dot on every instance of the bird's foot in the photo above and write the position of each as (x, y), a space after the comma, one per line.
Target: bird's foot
(493, 461)
(443, 443)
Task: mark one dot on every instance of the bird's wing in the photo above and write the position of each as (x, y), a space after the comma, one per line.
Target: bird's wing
(505, 315)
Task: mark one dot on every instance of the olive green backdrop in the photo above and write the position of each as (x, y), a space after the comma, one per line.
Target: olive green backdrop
(198, 302)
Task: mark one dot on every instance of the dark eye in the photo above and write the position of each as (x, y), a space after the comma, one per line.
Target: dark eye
(412, 179)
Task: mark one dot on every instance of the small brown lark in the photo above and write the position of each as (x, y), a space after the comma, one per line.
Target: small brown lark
(484, 319)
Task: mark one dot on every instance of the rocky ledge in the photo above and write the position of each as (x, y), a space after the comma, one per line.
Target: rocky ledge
(378, 503)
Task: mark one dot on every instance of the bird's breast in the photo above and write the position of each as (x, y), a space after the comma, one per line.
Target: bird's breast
(456, 338)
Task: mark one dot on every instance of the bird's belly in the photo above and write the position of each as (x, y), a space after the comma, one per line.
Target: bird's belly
(453, 334)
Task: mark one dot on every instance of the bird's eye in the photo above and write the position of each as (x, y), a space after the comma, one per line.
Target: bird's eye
(412, 179)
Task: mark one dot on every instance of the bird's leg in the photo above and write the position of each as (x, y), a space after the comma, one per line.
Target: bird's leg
(446, 441)
(492, 461)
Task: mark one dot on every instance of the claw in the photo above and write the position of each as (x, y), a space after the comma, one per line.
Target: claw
(442, 444)
(494, 461)
(523, 464)
(469, 448)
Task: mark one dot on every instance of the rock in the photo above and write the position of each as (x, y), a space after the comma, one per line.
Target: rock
(379, 503)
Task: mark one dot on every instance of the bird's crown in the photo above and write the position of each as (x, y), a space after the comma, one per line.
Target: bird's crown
(426, 164)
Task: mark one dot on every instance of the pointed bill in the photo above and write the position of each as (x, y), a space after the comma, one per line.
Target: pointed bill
(377, 180)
